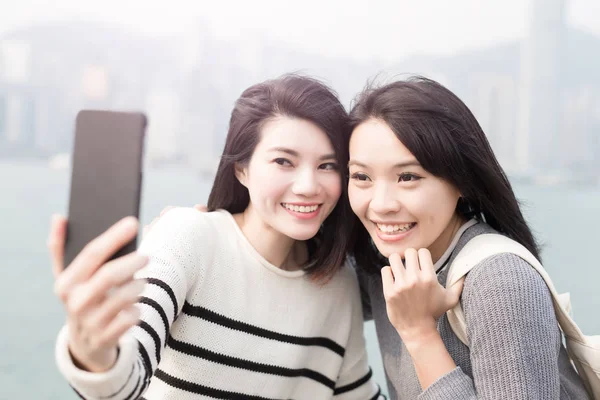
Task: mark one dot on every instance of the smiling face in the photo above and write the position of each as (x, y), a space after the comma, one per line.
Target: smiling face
(293, 178)
(400, 203)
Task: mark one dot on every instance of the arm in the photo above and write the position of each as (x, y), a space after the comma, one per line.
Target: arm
(172, 249)
(414, 300)
(355, 381)
(513, 333)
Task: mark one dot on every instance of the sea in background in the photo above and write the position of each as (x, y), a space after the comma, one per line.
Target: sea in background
(565, 219)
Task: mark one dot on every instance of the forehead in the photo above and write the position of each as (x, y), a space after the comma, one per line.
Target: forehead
(293, 133)
(374, 142)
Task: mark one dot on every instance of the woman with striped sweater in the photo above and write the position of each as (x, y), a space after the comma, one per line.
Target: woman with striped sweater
(249, 301)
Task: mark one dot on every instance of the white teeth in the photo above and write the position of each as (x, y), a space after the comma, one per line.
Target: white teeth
(394, 228)
(302, 209)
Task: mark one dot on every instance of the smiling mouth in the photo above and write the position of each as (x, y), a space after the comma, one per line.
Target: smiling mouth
(308, 209)
(394, 229)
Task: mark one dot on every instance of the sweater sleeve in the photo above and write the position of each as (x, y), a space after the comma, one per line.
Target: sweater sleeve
(173, 245)
(356, 378)
(513, 333)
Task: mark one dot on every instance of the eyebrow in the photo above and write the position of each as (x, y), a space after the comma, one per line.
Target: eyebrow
(296, 154)
(411, 163)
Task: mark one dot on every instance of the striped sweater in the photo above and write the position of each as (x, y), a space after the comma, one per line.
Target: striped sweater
(219, 321)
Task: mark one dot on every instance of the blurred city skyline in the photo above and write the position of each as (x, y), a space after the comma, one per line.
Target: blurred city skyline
(531, 74)
(383, 30)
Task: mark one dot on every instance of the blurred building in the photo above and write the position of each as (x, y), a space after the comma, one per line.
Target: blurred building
(49, 72)
(25, 104)
(538, 100)
(221, 70)
(186, 85)
(541, 77)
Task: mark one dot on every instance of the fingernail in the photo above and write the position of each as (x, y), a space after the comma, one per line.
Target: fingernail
(129, 222)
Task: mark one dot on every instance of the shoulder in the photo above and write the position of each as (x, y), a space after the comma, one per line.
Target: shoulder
(500, 271)
(186, 240)
(185, 227)
(505, 278)
(185, 220)
(345, 294)
(343, 285)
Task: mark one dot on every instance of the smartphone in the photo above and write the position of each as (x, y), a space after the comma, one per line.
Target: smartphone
(106, 176)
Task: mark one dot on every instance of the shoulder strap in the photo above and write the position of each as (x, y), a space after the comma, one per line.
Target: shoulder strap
(487, 245)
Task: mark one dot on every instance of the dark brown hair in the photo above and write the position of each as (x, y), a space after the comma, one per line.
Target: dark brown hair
(299, 97)
(444, 136)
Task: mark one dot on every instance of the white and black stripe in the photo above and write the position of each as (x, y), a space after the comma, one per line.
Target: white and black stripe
(206, 314)
(248, 365)
(217, 323)
(354, 385)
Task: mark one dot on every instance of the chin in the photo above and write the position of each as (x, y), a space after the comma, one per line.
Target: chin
(302, 235)
(387, 252)
(387, 249)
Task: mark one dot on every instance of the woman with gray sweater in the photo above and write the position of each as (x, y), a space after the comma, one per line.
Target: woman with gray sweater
(423, 182)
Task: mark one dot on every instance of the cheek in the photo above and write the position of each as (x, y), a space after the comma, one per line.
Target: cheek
(333, 186)
(436, 208)
(359, 200)
(274, 187)
(268, 184)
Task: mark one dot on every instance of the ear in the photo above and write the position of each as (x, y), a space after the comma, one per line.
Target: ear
(241, 173)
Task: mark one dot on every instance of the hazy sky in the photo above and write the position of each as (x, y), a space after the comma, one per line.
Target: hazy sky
(359, 28)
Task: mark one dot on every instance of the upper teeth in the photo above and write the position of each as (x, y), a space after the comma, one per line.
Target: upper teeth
(394, 228)
(304, 209)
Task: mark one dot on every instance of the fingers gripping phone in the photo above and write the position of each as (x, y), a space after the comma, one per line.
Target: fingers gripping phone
(106, 176)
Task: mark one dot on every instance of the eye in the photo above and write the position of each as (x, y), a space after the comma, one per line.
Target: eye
(408, 177)
(359, 176)
(329, 166)
(283, 162)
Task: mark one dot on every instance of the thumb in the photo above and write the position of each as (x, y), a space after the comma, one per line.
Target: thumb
(56, 243)
(454, 292)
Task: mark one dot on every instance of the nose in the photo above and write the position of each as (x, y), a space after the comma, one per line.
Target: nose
(385, 200)
(306, 183)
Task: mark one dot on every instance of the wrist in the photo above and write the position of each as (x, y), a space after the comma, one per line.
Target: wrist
(421, 336)
(430, 357)
(100, 361)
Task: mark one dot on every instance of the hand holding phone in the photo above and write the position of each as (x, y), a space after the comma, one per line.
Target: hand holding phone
(98, 288)
(98, 295)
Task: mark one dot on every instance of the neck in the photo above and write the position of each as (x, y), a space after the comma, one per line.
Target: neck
(438, 248)
(277, 248)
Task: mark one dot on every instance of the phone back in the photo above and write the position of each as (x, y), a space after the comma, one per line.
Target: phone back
(106, 176)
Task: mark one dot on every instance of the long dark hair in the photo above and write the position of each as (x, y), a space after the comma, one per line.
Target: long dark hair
(444, 136)
(297, 97)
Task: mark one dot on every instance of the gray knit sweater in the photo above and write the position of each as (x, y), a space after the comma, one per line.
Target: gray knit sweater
(515, 343)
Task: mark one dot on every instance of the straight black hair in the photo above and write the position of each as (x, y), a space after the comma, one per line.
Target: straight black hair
(299, 97)
(444, 136)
